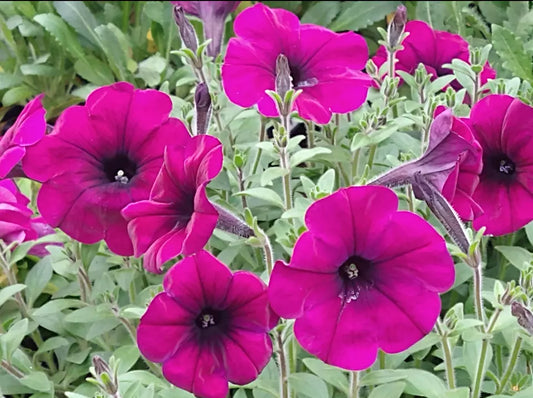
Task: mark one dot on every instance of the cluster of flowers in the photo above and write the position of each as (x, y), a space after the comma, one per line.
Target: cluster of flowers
(363, 277)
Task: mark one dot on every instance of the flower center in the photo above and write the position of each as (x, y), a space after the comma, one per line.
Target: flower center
(355, 275)
(506, 166)
(499, 167)
(119, 169)
(298, 80)
(205, 320)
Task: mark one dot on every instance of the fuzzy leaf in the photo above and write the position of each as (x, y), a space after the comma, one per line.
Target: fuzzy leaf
(61, 32)
(357, 15)
(511, 51)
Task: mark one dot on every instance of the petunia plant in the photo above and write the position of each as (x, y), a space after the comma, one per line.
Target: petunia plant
(224, 199)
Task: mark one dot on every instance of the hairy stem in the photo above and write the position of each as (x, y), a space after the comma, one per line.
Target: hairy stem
(510, 365)
(354, 384)
(283, 369)
(448, 359)
(480, 370)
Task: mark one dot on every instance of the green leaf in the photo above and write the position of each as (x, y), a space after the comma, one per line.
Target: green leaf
(128, 355)
(90, 314)
(360, 14)
(517, 256)
(326, 182)
(116, 52)
(390, 390)
(330, 374)
(150, 70)
(36, 280)
(303, 155)
(268, 195)
(433, 12)
(322, 12)
(511, 51)
(16, 95)
(308, 385)
(10, 341)
(7, 292)
(52, 343)
(461, 392)
(376, 377)
(37, 381)
(38, 70)
(94, 71)
(22, 250)
(88, 253)
(61, 32)
(78, 15)
(271, 174)
(55, 306)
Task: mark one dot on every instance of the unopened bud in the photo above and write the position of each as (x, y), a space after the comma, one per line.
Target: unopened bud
(371, 68)
(283, 76)
(187, 32)
(202, 103)
(397, 26)
(105, 378)
(523, 316)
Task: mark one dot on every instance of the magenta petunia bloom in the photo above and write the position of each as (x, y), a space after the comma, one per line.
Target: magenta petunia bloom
(461, 183)
(325, 65)
(451, 163)
(433, 48)
(28, 129)
(364, 276)
(16, 222)
(208, 327)
(503, 126)
(178, 218)
(213, 15)
(101, 157)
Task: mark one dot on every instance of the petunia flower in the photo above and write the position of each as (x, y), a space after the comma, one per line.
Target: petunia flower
(213, 15)
(364, 277)
(208, 327)
(101, 157)
(433, 48)
(16, 222)
(27, 130)
(325, 65)
(178, 218)
(503, 126)
(452, 163)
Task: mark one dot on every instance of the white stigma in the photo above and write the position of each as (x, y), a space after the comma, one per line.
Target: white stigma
(352, 271)
(207, 320)
(120, 177)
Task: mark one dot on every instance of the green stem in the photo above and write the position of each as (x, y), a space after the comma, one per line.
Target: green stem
(283, 370)
(371, 155)
(269, 256)
(284, 163)
(390, 61)
(262, 135)
(510, 365)
(354, 384)
(311, 134)
(355, 164)
(11, 369)
(381, 358)
(478, 301)
(480, 371)
(448, 359)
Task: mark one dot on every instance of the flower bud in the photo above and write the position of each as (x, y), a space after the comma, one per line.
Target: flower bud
(283, 76)
(202, 104)
(371, 68)
(187, 32)
(397, 26)
(523, 316)
(105, 378)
